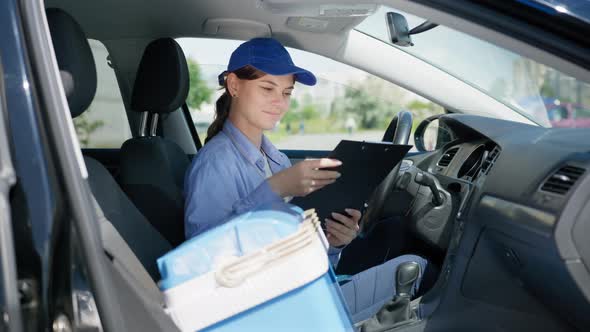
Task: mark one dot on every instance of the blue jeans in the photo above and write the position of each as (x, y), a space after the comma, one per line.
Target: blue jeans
(368, 291)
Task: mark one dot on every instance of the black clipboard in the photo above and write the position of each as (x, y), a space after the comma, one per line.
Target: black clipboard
(364, 166)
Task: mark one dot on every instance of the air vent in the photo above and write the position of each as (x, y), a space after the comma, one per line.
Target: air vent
(445, 160)
(562, 180)
(490, 160)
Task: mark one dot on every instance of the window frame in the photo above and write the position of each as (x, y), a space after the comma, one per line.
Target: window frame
(10, 301)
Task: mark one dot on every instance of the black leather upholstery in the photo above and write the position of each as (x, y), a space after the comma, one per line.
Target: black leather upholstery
(162, 81)
(152, 168)
(151, 174)
(74, 59)
(145, 242)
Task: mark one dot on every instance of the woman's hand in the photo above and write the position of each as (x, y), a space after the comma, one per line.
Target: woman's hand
(341, 234)
(304, 177)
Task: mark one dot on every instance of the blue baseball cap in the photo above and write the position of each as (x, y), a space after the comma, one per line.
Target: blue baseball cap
(269, 56)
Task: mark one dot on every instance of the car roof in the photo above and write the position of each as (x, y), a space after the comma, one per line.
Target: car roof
(233, 19)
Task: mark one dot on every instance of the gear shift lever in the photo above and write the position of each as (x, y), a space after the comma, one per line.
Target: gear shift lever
(397, 311)
(406, 275)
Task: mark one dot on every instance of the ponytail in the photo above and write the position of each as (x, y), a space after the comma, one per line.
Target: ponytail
(223, 104)
(222, 107)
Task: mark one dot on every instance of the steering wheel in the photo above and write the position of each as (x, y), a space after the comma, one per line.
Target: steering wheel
(398, 132)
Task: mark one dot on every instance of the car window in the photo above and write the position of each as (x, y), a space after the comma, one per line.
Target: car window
(104, 124)
(346, 103)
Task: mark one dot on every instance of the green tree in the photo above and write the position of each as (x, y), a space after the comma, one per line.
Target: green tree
(309, 112)
(293, 105)
(547, 90)
(371, 111)
(293, 115)
(417, 105)
(423, 109)
(199, 92)
(364, 105)
(309, 109)
(85, 127)
(372, 101)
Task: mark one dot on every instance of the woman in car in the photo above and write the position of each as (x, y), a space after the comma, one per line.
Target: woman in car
(239, 169)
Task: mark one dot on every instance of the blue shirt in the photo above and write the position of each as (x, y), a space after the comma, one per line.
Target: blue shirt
(227, 178)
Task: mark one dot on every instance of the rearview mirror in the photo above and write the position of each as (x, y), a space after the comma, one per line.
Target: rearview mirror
(399, 32)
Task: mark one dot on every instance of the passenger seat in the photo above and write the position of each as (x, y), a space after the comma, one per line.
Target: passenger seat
(131, 260)
(152, 168)
(75, 58)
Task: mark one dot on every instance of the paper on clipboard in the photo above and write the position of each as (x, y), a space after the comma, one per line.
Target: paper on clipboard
(364, 166)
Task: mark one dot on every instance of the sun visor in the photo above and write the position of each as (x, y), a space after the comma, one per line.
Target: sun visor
(323, 25)
(235, 28)
(311, 8)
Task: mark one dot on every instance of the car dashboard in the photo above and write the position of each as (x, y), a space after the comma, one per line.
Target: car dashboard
(519, 218)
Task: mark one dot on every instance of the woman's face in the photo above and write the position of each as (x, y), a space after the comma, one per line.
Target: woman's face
(261, 102)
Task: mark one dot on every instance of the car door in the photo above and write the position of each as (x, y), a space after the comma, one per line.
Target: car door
(9, 297)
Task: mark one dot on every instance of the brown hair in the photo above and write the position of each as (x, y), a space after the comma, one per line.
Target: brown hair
(223, 104)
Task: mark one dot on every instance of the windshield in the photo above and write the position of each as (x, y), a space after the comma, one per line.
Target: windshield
(525, 85)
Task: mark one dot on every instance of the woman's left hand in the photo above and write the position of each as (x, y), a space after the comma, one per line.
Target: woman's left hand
(345, 229)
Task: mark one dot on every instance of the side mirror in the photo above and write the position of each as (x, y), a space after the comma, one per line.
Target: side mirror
(431, 134)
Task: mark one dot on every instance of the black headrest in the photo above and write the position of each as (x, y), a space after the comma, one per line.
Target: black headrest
(74, 59)
(162, 82)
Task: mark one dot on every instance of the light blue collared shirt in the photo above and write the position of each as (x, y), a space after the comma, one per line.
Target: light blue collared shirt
(227, 178)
